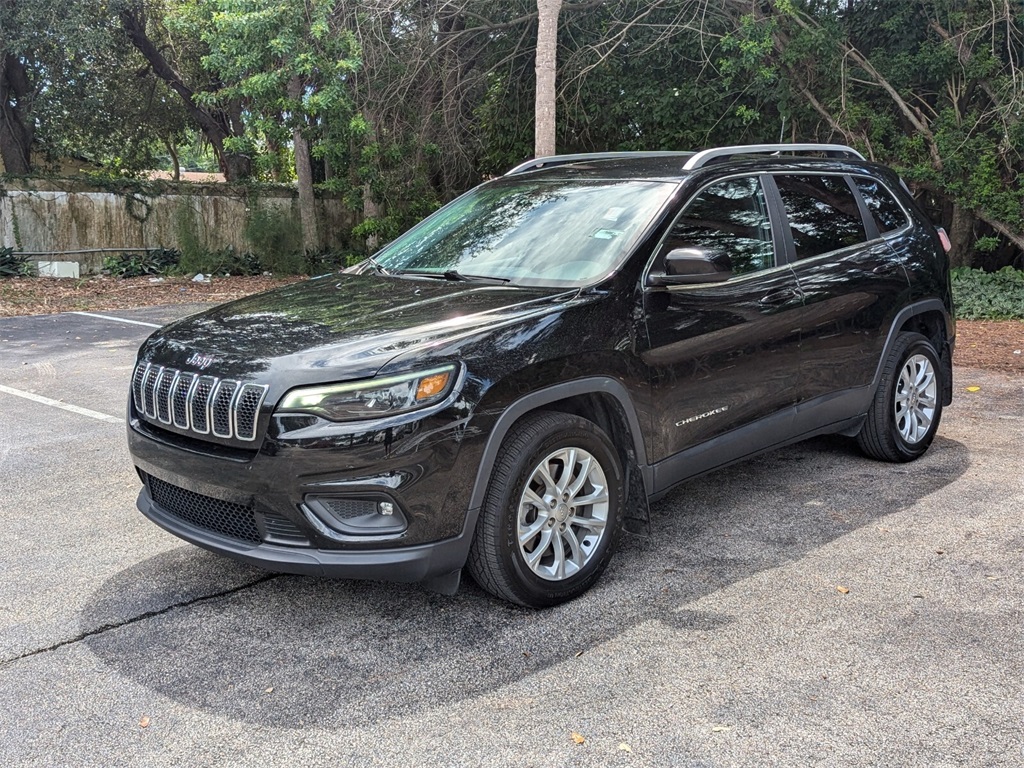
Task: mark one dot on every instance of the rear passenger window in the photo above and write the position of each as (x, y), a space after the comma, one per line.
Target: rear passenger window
(729, 217)
(886, 212)
(823, 213)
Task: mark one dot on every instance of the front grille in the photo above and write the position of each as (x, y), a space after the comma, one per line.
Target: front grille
(232, 520)
(235, 521)
(199, 404)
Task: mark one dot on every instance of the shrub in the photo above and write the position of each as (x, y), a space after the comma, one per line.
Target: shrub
(330, 261)
(14, 264)
(276, 239)
(195, 257)
(157, 262)
(980, 295)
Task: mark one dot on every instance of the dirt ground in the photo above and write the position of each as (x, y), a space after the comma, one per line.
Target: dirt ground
(995, 346)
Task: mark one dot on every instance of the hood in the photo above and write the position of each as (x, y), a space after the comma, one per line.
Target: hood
(340, 326)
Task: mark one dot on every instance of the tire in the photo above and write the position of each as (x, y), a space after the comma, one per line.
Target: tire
(532, 545)
(905, 412)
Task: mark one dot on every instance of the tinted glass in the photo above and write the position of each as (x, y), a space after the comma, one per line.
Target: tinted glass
(730, 217)
(823, 213)
(886, 212)
(531, 231)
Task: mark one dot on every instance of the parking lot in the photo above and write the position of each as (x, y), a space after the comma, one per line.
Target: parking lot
(810, 607)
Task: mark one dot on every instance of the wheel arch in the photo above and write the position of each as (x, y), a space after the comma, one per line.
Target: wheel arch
(603, 400)
(932, 320)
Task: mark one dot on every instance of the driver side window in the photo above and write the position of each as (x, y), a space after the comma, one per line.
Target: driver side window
(730, 218)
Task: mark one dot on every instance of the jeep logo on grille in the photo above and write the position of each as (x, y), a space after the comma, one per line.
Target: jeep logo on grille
(202, 362)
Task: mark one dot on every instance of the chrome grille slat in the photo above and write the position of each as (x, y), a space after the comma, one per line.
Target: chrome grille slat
(179, 399)
(164, 386)
(204, 405)
(221, 403)
(199, 405)
(149, 390)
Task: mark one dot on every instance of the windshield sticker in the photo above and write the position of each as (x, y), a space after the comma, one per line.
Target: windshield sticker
(613, 214)
(607, 234)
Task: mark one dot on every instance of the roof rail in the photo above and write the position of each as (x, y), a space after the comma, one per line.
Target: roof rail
(556, 160)
(704, 157)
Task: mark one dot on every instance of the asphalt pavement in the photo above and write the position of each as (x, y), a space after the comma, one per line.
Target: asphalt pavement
(808, 608)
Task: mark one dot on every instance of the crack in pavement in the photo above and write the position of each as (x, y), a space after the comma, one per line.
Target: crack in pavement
(135, 619)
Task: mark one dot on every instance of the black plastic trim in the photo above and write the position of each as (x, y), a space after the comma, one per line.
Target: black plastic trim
(912, 310)
(405, 564)
(538, 399)
(829, 414)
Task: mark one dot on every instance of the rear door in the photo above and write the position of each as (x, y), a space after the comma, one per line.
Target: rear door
(852, 282)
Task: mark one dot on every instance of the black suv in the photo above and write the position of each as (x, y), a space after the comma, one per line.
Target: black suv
(504, 384)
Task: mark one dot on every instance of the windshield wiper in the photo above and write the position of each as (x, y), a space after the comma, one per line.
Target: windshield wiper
(376, 265)
(454, 275)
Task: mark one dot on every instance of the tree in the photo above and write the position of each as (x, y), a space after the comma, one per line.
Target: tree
(69, 88)
(547, 47)
(219, 123)
(932, 87)
(287, 61)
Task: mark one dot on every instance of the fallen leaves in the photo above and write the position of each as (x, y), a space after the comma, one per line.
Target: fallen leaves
(624, 747)
(45, 295)
(721, 728)
(144, 722)
(843, 590)
(972, 389)
(578, 738)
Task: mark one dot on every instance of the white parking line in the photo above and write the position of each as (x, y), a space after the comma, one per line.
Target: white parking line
(117, 319)
(62, 405)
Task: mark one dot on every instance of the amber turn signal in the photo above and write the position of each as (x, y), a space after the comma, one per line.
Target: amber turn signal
(432, 385)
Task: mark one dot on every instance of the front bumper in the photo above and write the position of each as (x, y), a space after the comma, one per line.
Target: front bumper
(264, 507)
(405, 564)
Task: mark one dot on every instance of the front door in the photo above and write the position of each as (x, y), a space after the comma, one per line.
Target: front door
(722, 354)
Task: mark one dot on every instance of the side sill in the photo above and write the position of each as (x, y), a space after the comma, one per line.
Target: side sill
(841, 413)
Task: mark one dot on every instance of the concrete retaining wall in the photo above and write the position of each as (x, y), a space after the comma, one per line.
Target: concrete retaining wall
(67, 220)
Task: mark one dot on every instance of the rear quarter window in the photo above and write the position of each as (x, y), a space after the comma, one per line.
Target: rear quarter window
(887, 213)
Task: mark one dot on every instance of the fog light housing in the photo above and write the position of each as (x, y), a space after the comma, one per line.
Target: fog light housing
(355, 515)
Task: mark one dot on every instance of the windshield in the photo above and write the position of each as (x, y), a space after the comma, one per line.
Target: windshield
(530, 231)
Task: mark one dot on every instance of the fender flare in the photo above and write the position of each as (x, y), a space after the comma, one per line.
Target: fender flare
(538, 399)
(912, 310)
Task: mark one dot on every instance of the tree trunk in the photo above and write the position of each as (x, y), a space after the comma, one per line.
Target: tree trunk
(961, 236)
(547, 47)
(16, 132)
(303, 172)
(216, 125)
(371, 210)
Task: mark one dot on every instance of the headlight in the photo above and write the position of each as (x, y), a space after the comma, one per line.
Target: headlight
(372, 398)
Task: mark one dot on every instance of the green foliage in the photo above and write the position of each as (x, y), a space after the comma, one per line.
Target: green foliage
(276, 240)
(255, 48)
(331, 261)
(194, 255)
(156, 262)
(980, 295)
(14, 264)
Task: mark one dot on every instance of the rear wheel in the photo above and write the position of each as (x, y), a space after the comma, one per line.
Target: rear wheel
(552, 511)
(905, 413)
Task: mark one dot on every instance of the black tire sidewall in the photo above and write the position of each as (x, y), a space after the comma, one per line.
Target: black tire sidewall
(919, 345)
(532, 588)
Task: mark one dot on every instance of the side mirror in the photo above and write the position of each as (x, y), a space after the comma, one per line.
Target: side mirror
(685, 266)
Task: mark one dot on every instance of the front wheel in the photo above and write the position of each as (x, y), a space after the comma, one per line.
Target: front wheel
(552, 511)
(905, 413)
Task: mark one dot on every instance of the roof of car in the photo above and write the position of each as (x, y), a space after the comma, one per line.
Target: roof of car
(674, 166)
